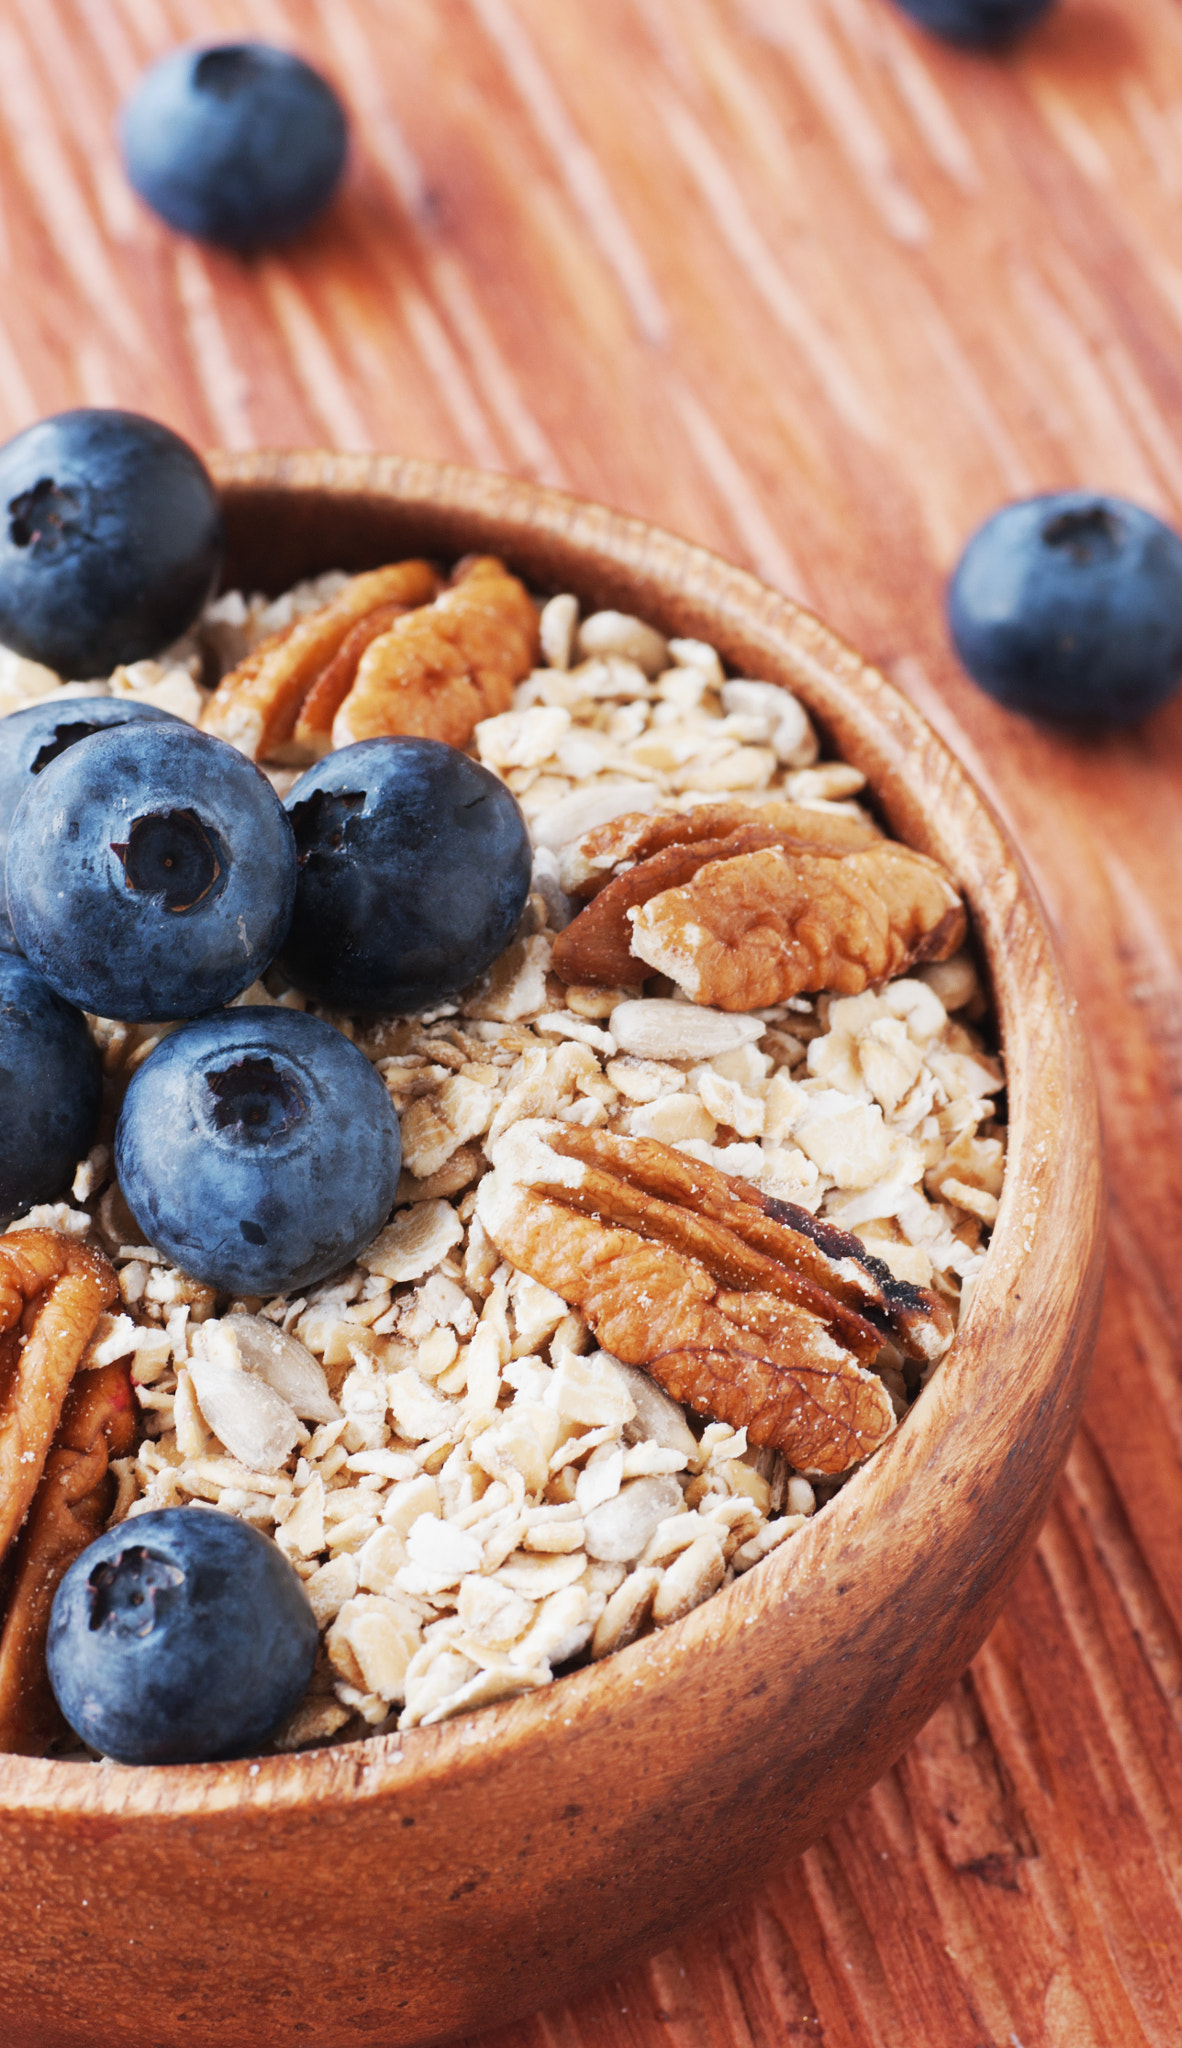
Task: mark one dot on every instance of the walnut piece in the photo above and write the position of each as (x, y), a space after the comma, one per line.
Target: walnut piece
(55, 1290)
(751, 931)
(257, 705)
(744, 1308)
(438, 671)
(69, 1510)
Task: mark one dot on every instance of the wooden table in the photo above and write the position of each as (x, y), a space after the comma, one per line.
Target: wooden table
(789, 278)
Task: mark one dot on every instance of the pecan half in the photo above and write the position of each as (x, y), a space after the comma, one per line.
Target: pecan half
(55, 1290)
(742, 1307)
(752, 930)
(597, 945)
(257, 704)
(313, 727)
(438, 671)
(69, 1510)
(589, 863)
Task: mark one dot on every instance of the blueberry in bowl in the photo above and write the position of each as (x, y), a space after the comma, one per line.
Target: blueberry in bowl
(150, 872)
(111, 540)
(977, 24)
(1069, 606)
(258, 1149)
(50, 1089)
(34, 736)
(182, 1635)
(237, 143)
(414, 868)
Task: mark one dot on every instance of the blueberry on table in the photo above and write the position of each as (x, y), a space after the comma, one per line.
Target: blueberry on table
(1070, 606)
(414, 868)
(236, 143)
(977, 24)
(50, 1089)
(110, 540)
(150, 872)
(179, 1636)
(259, 1149)
(32, 738)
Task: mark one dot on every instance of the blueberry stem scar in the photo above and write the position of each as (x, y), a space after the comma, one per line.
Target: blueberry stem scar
(41, 515)
(1092, 533)
(253, 1096)
(173, 855)
(130, 1581)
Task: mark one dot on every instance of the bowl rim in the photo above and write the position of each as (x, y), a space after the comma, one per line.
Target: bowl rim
(944, 813)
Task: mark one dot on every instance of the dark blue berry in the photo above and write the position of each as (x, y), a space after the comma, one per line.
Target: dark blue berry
(414, 868)
(151, 872)
(110, 540)
(259, 1150)
(237, 143)
(977, 24)
(1070, 606)
(178, 1636)
(50, 1089)
(32, 738)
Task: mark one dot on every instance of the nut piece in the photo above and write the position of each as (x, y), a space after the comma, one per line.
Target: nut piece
(750, 931)
(597, 946)
(744, 905)
(69, 1510)
(438, 671)
(56, 1290)
(742, 1307)
(255, 707)
(313, 727)
(589, 863)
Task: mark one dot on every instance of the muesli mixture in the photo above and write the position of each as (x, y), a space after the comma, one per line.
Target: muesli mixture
(476, 1489)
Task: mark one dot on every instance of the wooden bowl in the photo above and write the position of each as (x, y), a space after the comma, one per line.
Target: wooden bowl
(401, 1890)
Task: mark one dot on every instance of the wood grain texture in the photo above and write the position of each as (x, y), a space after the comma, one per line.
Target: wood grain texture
(786, 277)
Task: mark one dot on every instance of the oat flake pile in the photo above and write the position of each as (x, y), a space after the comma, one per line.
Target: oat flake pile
(473, 1493)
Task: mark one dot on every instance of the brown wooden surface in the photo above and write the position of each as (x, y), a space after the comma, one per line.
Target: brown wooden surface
(788, 278)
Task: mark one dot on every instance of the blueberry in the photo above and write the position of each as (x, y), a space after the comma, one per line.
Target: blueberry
(50, 1089)
(414, 868)
(1070, 606)
(32, 738)
(151, 872)
(237, 143)
(977, 24)
(259, 1150)
(110, 540)
(178, 1636)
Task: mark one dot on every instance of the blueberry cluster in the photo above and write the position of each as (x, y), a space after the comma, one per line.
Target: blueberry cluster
(152, 873)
